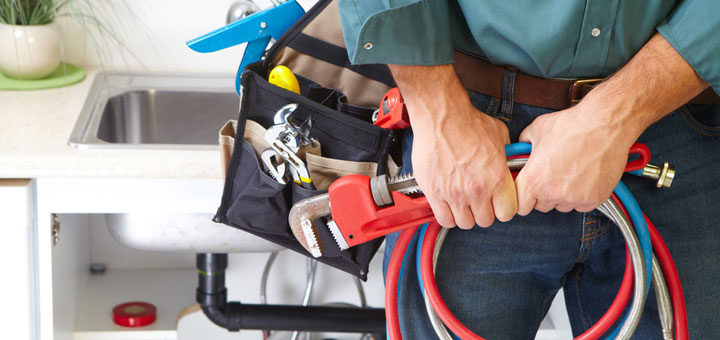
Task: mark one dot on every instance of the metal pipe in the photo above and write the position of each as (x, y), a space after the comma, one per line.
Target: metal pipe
(613, 212)
(665, 309)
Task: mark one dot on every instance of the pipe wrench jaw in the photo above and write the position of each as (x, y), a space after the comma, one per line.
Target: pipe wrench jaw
(311, 240)
(302, 217)
(337, 235)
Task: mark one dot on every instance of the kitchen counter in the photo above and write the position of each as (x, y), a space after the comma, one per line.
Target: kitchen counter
(35, 126)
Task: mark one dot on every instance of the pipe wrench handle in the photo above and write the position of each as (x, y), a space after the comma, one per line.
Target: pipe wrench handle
(360, 220)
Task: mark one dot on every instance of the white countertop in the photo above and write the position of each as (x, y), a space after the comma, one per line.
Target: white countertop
(35, 126)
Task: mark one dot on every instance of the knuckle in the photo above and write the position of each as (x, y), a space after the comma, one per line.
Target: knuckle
(475, 187)
(456, 191)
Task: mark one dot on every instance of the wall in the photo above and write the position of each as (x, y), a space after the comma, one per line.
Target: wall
(154, 33)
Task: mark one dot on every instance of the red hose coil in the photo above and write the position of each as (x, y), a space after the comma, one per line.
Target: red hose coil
(393, 274)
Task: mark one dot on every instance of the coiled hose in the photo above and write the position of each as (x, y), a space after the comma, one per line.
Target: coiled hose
(639, 249)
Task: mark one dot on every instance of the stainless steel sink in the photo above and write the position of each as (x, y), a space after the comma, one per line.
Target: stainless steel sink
(163, 111)
(155, 111)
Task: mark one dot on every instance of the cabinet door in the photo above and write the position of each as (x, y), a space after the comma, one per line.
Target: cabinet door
(19, 319)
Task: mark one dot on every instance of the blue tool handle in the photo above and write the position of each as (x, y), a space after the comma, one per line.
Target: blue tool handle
(253, 52)
(272, 22)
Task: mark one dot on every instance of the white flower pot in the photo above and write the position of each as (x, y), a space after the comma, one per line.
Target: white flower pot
(29, 52)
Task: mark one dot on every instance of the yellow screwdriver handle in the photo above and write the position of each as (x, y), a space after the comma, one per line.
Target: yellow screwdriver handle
(281, 76)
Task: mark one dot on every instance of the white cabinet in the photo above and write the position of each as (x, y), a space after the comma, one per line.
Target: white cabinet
(73, 303)
(17, 249)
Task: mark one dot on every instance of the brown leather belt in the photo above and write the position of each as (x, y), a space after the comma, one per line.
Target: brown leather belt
(481, 76)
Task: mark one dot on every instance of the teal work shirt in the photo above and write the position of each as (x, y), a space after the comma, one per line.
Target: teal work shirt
(545, 38)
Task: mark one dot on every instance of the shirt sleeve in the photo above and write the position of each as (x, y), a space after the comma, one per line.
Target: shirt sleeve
(403, 32)
(692, 28)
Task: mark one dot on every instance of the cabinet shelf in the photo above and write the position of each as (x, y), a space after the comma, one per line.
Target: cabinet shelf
(170, 290)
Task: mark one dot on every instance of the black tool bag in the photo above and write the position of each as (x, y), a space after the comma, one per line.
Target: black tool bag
(339, 98)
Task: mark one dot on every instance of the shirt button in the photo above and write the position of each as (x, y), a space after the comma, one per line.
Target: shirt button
(368, 45)
(595, 32)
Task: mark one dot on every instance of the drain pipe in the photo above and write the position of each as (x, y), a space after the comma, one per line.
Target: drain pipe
(211, 292)
(212, 296)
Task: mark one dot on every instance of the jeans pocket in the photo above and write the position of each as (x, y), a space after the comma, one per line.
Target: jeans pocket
(702, 118)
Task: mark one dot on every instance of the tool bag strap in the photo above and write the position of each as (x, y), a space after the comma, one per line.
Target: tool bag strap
(323, 50)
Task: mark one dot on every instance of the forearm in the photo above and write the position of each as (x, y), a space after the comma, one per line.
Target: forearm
(656, 81)
(430, 93)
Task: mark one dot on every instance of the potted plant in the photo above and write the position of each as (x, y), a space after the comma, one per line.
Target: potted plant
(30, 46)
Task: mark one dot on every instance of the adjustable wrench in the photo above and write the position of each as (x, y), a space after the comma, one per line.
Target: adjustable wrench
(286, 139)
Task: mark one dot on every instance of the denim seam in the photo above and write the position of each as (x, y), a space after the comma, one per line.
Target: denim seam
(697, 126)
(586, 242)
(586, 245)
(582, 244)
(543, 305)
(602, 230)
(583, 317)
(492, 107)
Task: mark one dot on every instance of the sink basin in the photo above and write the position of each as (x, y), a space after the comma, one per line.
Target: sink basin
(163, 111)
(155, 111)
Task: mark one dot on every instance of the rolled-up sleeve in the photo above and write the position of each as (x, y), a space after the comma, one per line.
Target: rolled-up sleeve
(693, 29)
(403, 32)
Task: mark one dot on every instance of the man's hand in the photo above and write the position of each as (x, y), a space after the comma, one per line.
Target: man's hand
(576, 161)
(458, 152)
(579, 154)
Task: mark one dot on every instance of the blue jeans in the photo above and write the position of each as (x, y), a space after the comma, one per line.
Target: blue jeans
(500, 281)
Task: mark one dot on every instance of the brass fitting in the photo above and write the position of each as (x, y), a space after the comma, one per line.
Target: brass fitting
(664, 175)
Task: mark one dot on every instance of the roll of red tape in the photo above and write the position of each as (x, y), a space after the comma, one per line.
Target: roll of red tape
(134, 314)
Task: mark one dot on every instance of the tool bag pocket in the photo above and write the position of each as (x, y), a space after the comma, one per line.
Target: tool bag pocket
(338, 99)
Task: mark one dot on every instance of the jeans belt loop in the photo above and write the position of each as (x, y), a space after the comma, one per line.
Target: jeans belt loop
(576, 94)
